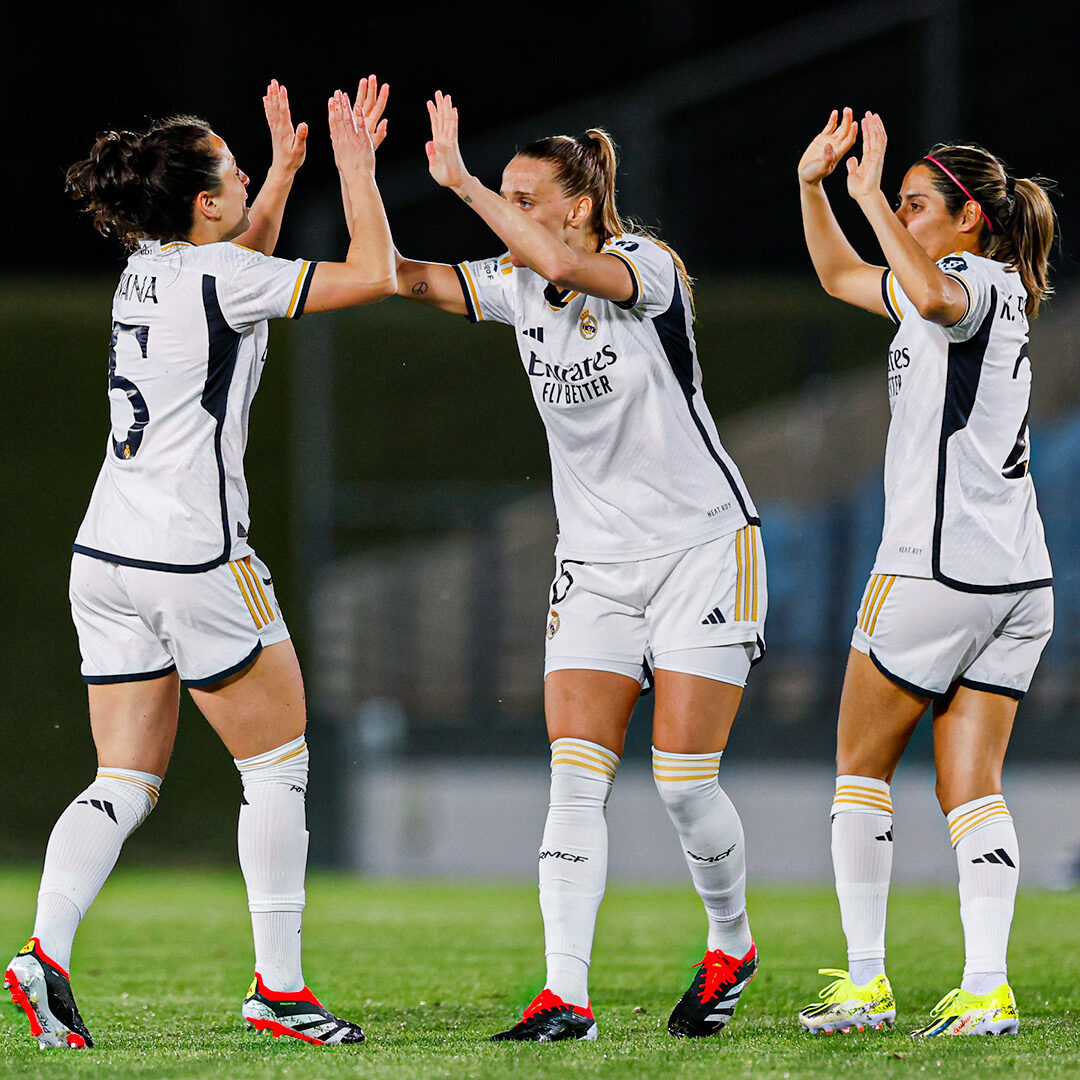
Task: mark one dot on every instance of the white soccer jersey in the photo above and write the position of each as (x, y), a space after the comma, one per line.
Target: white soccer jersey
(188, 344)
(959, 500)
(636, 463)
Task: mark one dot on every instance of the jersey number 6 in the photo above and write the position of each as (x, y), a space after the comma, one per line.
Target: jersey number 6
(128, 447)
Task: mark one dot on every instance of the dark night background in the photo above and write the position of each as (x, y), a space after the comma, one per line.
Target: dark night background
(729, 204)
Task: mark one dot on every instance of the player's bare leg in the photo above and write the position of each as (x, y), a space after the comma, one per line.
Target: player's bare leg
(260, 715)
(971, 734)
(692, 720)
(260, 707)
(134, 727)
(587, 715)
(877, 720)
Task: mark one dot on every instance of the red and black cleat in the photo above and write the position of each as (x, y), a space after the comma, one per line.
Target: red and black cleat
(42, 989)
(297, 1014)
(550, 1019)
(711, 998)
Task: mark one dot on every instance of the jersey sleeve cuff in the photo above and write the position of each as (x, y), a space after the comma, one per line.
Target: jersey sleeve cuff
(890, 308)
(468, 289)
(635, 279)
(303, 284)
(967, 293)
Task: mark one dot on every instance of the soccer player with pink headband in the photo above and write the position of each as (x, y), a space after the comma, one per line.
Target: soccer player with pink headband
(959, 604)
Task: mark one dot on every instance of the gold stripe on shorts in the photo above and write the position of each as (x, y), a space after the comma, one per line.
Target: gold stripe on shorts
(746, 574)
(256, 589)
(880, 604)
(868, 599)
(755, 539)
(244, 593)
(738, 575)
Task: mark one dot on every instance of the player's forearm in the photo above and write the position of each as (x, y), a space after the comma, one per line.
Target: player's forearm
(371, 247)
(830, 252)
(346, 203)
(267, 211)
(935, 295)
(527, 240)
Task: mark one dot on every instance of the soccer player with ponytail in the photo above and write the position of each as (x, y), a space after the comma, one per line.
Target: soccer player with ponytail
(166, 590)
(959, 604)
(660, 571)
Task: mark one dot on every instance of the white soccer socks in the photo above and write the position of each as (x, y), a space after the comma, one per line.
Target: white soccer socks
(272, 840)
(711, 835)
(573, 862)
(862, 850)
(988, 859)
(83, 848)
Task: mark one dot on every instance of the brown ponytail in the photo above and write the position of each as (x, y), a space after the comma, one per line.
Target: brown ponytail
(587, 166)
(144, 186)
(1020, 220)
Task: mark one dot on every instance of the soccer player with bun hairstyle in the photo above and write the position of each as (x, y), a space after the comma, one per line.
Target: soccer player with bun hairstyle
(166, 590)
(660, 572)
(959, 604)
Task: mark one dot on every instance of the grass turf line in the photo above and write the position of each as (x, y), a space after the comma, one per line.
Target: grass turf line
(162, 963)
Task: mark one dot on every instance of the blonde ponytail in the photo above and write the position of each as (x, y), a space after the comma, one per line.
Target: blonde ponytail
(588, 166)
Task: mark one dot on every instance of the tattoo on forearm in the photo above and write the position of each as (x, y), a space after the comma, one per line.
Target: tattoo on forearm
(467, 199)
(420, 288)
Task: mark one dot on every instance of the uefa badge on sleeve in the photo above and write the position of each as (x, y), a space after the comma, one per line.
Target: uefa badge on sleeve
(553, 624)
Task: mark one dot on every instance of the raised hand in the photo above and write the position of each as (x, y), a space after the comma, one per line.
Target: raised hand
(834, 140)
(371, 103)
(349, 135)
(444, 157)
(289, 144)
(864, 176)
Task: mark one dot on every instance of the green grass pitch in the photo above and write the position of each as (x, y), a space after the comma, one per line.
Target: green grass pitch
(163, 960)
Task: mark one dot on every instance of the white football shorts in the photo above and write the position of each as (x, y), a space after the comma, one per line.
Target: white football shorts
(674, 612)
(136, 624)
(926, 636)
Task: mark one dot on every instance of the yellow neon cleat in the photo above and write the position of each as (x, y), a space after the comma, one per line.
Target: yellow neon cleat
(961, 1013)
(847, 1007)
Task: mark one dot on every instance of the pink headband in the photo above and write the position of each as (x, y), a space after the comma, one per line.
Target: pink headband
(962, 188)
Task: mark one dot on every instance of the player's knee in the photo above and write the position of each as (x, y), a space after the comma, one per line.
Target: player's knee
(286, 764)
(125, 795)
(687, 783)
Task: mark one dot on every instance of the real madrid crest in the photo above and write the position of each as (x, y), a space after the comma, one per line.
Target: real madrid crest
(553, 624)
(587, 325)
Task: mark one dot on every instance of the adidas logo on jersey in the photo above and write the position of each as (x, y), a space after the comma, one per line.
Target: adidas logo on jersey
(998, 856)
(99, 804)
(715, 617)
(535, 332)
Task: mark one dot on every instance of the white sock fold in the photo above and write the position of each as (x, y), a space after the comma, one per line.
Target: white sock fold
(988, 862)
(272, 841)
(711, 835)
(573, 862)
(83, 848)
(862, 848)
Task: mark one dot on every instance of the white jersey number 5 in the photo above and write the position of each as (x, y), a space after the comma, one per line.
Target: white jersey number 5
(124, 396)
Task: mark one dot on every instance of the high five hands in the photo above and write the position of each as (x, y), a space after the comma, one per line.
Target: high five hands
(370, 105)
(349, 135)
(834, 140)
(444, 156)
(289, 144)
(864, 177)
